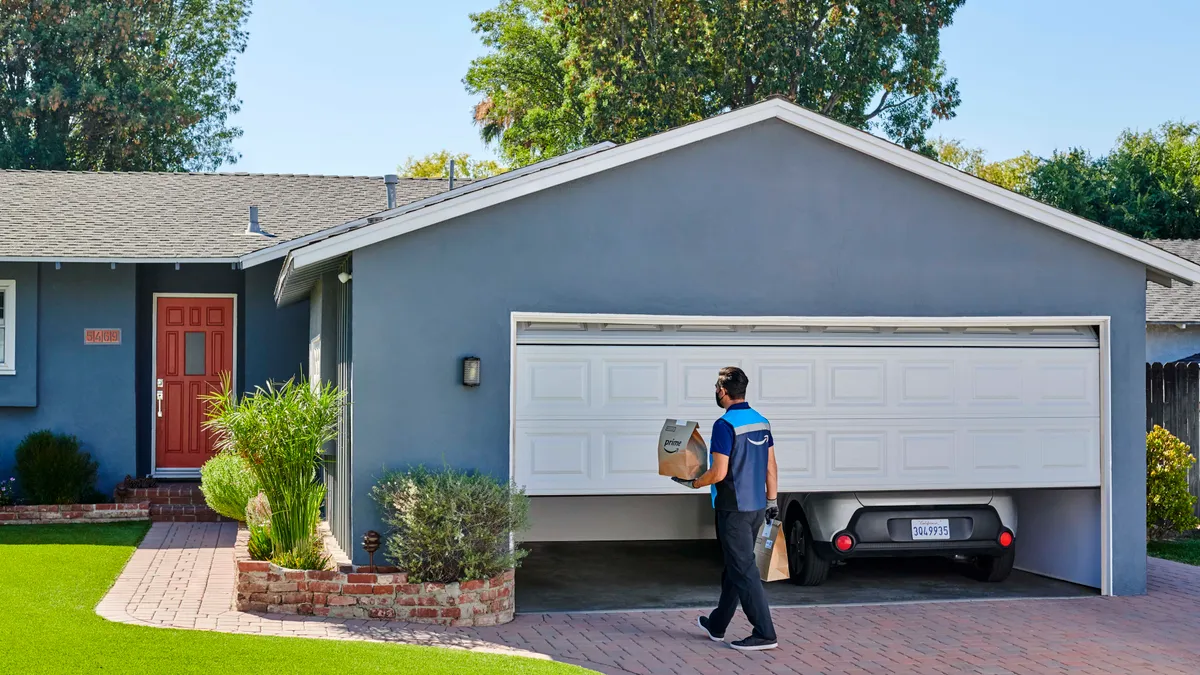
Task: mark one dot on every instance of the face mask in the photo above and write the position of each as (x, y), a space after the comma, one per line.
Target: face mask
(718, 397)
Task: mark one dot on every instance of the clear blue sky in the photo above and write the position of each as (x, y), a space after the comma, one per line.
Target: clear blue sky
(356, 89)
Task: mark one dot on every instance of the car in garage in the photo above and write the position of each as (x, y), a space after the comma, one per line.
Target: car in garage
(978, 527)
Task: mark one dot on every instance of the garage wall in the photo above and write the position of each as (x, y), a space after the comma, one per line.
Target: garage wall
(1051, 523)
(621, 518)
(766, 220)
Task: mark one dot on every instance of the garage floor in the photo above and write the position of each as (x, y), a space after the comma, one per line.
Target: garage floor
(607, 576)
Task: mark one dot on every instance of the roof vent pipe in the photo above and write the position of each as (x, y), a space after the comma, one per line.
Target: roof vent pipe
(451, 174)
(390, 181)
(253, 227)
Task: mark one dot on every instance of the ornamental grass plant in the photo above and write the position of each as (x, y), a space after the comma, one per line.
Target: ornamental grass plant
(279, 431)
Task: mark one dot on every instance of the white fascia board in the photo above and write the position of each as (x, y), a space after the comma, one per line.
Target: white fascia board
(1154, 258)
(280, 250)
(827, 321)
(121, 261)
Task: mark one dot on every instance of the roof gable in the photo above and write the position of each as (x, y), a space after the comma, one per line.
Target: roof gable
(1162, 267)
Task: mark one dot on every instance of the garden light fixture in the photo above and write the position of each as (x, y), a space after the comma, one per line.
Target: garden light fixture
(370, 544)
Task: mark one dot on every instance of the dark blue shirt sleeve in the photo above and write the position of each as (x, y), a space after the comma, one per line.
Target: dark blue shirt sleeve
(770, 439)
(722, 438)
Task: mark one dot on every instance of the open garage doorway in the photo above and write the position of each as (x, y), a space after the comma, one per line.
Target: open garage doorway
(564, 573)
(858, 406)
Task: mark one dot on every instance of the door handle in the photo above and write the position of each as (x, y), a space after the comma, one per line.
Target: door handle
(160, 400)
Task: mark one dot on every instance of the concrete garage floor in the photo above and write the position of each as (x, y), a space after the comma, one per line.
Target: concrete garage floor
(612, 576)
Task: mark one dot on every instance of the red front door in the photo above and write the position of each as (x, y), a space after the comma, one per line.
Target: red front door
(194, 349)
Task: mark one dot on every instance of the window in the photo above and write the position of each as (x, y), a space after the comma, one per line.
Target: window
(193, 353)
(8, 327)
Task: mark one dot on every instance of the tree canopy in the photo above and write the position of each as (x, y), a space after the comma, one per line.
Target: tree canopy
(437, 165)
(562, 74)
(1147, 186)
(119, 85)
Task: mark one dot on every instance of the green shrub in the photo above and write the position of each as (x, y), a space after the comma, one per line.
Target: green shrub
(1169, 502)
(279, 431)
(258, 522)
(228, 484)
(313, 558)
(448, 525)
(52, 470)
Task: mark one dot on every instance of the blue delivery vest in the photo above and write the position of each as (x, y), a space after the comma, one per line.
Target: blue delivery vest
(745, 486)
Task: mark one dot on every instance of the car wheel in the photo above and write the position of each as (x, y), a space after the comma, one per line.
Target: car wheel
(994, 568)
(805, 566)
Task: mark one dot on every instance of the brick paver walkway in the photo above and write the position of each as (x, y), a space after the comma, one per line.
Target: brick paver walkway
(182, 576)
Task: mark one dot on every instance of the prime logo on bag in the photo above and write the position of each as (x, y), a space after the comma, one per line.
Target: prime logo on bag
(681, 451)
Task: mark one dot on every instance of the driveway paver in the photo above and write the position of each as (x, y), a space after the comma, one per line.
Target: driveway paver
(182, 576)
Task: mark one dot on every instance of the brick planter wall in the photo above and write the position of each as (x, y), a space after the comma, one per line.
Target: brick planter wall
(355, 592)
(73, 513)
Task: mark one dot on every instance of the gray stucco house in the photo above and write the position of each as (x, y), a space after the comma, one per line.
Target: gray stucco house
(123, 294)
(905, 327)
(1173, 313)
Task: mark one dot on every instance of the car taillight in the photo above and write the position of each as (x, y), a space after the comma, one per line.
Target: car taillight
(843, 542)
(1006, 539)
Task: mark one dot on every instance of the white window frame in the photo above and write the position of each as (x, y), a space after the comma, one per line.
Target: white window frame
(8, 360)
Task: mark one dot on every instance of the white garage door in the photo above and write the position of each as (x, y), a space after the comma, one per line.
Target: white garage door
(851, 409)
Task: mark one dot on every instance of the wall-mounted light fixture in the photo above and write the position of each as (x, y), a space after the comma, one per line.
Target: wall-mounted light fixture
(470, 371)
(343, 277)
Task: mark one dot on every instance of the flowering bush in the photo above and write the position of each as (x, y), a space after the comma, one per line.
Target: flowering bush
(1169, 502)
(6, 492)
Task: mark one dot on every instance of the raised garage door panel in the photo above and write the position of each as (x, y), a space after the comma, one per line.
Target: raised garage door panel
(845, 418)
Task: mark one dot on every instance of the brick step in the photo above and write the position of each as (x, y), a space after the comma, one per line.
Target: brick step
(169, 493)
(184, 513)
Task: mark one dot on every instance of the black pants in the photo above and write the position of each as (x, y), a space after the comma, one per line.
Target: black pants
(736, 532)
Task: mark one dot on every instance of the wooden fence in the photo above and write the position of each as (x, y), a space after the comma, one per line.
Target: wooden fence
(1173, 402)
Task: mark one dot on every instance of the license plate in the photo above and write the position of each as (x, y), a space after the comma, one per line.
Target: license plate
(938, 528)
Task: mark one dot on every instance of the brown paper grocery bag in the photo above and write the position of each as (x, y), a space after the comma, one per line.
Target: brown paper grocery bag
(770, 552)
(682, 452)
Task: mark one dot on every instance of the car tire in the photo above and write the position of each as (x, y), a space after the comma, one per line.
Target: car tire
(995, 568)
(806, 568)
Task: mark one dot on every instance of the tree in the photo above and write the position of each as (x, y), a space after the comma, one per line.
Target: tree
(1147, 186)
(120, 85)
(562, 74)
(1011, 174)
(437, 165)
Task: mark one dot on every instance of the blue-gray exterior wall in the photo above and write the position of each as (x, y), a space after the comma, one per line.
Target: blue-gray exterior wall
(104, 393)
(767, 220)
(83, 390)
(276, 347)
(1166, 342)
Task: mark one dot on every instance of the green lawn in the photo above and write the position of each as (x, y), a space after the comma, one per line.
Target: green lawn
(1185, 550)
(51, 578)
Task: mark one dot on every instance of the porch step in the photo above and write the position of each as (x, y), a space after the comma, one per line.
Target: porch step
(184, 513)
(166, 493)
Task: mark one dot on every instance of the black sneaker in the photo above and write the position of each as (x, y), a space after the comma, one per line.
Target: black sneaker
(703, 623)
(754, 644)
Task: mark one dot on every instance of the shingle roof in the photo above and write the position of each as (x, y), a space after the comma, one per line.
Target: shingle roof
(1180, 303)
(69, 214)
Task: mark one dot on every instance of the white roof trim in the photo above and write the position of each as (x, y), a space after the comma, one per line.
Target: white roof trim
(1156, 259)
(279, 250)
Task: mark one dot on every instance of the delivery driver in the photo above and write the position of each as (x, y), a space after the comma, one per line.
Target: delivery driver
(744, 481)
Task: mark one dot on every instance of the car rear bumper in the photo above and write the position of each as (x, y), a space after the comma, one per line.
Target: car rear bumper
(887, 531)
